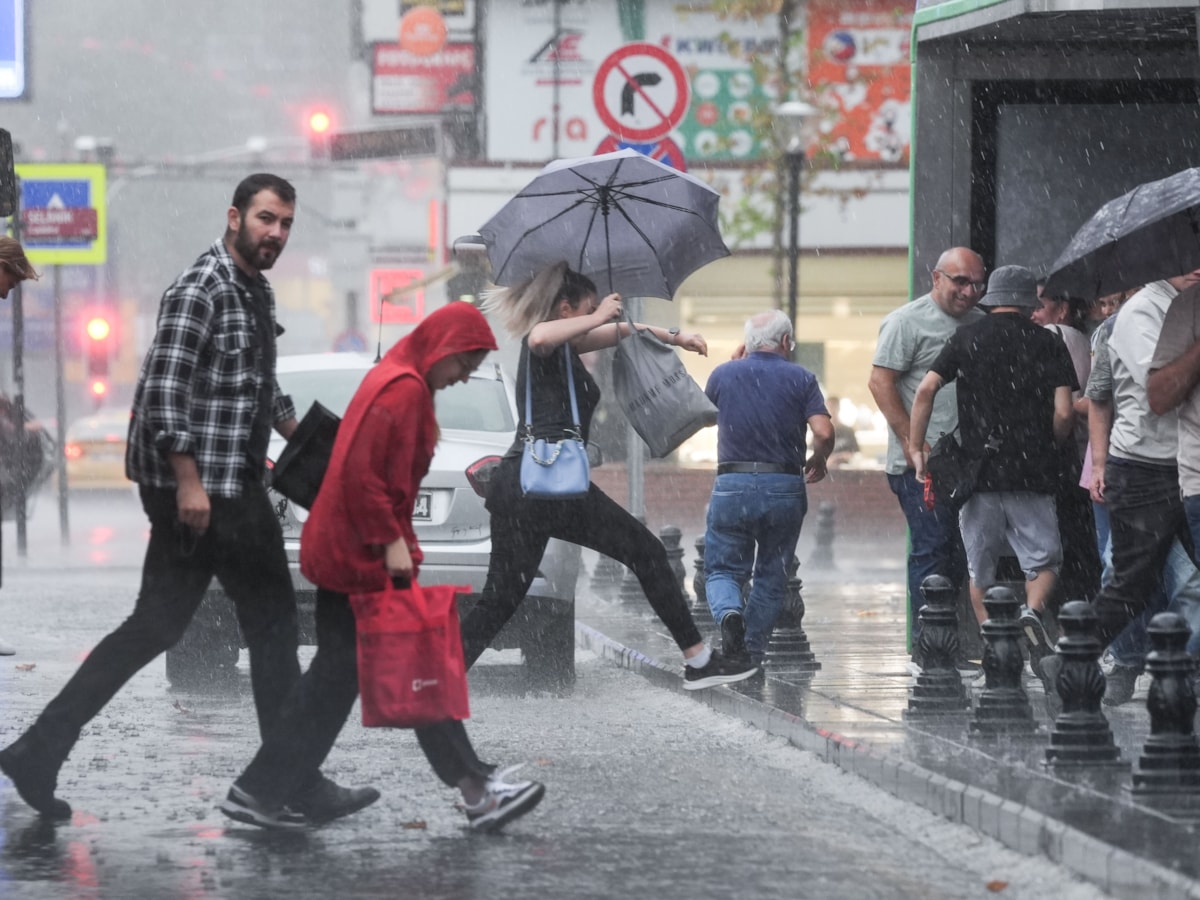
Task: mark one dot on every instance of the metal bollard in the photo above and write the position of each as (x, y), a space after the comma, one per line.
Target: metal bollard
(606, 576)
(698, 573)
(939, 687)
(822, 555)
(1169, 767)
(788, 649)
(672, 539)
(700, 611)
(1081, 734)
(1003, 706)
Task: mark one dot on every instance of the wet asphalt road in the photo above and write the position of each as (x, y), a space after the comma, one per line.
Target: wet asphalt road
(648, 793)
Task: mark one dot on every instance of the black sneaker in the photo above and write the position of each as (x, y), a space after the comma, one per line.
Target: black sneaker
(327, 801)
(1035, 632)
(718, 671)
(242, 807)
(502, 802)
(1120, 684)
(733, 638)
(33, 771)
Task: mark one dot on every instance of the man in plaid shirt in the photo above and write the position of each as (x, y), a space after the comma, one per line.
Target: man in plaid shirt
(205, 404)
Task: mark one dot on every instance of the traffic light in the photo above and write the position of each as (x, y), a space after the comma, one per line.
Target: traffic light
(98, 347)
(319, 126)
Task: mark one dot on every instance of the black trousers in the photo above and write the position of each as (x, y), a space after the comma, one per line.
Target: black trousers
(317, 708)
(243, 548)
(521, 528)
(1146, 513)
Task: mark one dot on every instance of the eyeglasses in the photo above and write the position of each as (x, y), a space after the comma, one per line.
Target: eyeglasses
(962, 281)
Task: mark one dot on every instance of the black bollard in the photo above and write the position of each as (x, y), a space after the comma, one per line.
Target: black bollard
(1003, 706)
(1081, 735)
(631, 590)
(606, 576)
(822, 555)
(672, 539)
(788, 650)
(698, 573)
(1169, 767)
(700, 611)
(939, 688)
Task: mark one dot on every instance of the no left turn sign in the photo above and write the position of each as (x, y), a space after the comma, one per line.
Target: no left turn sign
(641, 92)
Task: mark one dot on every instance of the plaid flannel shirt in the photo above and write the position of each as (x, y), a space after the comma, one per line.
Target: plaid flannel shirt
(198, 388)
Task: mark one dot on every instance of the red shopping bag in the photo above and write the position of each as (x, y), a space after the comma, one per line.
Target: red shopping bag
(410, 657)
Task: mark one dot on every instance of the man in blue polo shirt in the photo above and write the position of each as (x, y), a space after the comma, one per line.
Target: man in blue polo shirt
(764, 404)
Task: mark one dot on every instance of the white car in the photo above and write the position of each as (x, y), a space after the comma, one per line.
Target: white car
(478, 422)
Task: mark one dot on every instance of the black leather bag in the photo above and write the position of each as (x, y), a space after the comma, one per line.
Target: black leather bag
(953, 471)
(298, 472)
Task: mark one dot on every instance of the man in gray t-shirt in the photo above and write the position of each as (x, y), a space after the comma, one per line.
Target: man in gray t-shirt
(1174, 375)
(910, 338)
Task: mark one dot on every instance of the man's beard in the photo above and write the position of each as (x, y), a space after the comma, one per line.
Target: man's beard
(259, 255)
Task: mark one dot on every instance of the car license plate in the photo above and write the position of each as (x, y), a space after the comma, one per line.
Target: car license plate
(421, 507)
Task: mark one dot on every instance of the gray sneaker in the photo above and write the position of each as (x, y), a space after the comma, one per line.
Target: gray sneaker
(503, 801)
(1035, 632)
(243, 807)
(1047, 669)
(1120, 684)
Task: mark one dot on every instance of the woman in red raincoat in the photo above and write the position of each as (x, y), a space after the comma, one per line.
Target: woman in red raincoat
(358, 536)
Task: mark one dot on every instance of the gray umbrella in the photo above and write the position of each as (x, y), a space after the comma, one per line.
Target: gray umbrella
(628, 222)
(1150, 233)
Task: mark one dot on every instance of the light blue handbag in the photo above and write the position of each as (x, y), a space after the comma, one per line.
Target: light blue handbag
(554, 470)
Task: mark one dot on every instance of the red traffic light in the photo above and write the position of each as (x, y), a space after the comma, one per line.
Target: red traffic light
(319, 122)
(98, 328)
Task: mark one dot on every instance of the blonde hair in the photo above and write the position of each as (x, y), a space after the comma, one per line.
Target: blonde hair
(524, 305)
(12, 257)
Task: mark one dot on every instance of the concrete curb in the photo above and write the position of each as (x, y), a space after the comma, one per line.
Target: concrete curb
(1018, 827)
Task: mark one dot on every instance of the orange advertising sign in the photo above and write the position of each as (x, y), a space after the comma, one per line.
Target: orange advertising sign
(859, 66)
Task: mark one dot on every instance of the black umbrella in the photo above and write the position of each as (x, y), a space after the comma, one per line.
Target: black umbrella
(1150, 233)
(629, 222)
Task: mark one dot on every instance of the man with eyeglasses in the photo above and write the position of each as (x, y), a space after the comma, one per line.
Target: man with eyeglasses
(910, 339)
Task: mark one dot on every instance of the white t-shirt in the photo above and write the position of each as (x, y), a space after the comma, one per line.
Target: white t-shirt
(1181, 329)
(1138, 434)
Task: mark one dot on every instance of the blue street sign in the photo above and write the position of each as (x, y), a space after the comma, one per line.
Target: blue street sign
(12, 49)
(63, 213)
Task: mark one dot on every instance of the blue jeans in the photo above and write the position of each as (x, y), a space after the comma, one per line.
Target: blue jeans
(935, 545)
(1180, 594)
(749, 511)
(1191, 509)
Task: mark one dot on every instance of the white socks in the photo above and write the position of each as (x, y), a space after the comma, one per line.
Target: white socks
(701, 659)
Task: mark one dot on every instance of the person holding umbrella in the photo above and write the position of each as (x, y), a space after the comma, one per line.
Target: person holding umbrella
(558, 307)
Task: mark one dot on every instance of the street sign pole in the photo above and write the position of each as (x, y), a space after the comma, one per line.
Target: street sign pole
(60, 413)
(18, 352)
(635, 468)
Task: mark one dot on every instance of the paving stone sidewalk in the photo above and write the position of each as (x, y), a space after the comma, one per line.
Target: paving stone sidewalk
(852, 713)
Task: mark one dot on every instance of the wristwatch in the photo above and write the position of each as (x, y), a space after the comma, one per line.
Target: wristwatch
(674, 333)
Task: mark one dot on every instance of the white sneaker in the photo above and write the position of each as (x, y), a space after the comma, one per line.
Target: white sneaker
(503, 802)
(7, 649)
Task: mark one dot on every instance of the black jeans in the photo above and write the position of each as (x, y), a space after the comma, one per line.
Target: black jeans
(1146, 514)
(521, 528)
(316, 709)
(243, 548)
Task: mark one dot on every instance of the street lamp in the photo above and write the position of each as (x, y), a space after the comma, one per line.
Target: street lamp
(791, 120)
